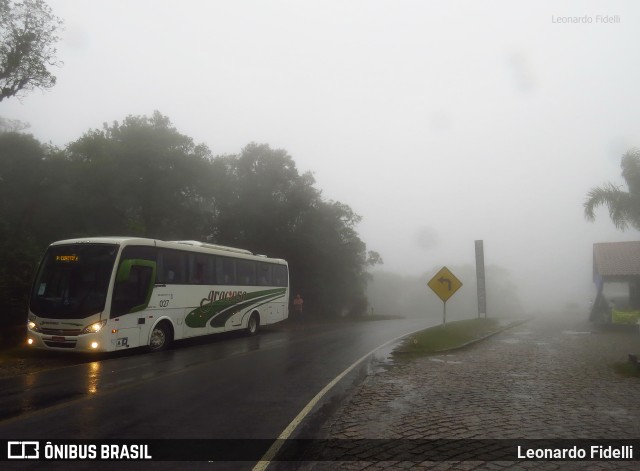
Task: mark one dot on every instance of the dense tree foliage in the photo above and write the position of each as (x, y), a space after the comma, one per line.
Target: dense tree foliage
(22, 187)
(266, 205)
(28, 33)
(142, 177)
(623, 206)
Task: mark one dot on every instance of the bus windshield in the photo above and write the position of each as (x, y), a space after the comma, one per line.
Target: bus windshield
(72, 281)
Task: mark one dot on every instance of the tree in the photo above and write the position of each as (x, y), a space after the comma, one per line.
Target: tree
(265, 205)
(21, 197)
(12, 125)
(140, 177)
(623, 206)
(28, 32)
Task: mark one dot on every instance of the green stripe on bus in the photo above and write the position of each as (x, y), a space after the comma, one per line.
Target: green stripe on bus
(200, 316)
(221, 319)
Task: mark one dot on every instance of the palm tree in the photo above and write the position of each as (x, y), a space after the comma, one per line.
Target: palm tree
(624, 207)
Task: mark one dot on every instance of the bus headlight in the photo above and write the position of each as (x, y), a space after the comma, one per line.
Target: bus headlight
(32, 326)
(94, 328)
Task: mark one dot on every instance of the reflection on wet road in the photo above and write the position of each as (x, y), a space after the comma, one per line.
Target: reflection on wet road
(38, 391)
(220, 387)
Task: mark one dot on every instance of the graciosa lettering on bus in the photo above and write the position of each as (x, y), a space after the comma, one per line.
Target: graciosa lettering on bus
(105, 294)
(218, 312)
(235, 296)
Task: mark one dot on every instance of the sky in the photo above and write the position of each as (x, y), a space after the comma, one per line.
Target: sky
(439, 122)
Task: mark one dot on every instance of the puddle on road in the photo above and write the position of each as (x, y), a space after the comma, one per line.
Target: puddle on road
(519, 375)
(381, 360)
(619, 412)
(572, 332)
(383, 355)
(445, 360)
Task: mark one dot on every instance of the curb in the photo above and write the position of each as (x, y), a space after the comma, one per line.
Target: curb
(471, 342)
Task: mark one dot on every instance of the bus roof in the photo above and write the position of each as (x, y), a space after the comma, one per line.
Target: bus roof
(189, 245)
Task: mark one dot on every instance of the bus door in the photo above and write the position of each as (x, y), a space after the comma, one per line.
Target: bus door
(131, 295)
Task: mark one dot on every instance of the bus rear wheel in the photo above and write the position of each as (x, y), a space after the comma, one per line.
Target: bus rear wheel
(253, 324)
(160, 337)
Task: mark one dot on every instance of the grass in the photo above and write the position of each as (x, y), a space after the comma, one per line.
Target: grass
(453, 335)
(376, 317)
(627, 369)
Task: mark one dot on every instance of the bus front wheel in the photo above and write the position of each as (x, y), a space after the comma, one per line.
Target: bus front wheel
(160, 337)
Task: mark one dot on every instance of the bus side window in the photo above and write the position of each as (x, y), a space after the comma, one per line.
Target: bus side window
(201, 269)
(225, 271)
(280, 275)
(246, 272)
(142, 252)
(265, 277)
(174, 267)
(211, 270)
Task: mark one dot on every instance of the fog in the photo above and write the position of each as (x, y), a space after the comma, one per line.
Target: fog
(440, 123)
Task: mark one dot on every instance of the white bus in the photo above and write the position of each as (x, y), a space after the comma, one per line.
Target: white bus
(107, 294)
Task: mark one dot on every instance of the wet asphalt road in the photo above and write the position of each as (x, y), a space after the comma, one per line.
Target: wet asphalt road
(225, 387)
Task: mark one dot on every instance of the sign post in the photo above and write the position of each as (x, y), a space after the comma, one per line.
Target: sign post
(444, 284)
(482, 291)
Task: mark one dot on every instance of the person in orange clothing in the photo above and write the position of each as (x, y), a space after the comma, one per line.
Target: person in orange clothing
(298, 302)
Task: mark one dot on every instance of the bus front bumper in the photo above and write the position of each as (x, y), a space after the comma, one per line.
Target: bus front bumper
(80, 343)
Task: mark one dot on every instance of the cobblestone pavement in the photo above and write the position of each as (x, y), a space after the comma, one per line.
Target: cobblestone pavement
(546, 379)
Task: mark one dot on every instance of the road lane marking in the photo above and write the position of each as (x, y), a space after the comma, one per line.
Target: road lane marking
(286, 433)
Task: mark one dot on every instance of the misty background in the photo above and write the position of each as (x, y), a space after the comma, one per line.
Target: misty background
(439, 123)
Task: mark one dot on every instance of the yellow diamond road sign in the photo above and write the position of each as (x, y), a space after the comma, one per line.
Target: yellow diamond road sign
(444, 284)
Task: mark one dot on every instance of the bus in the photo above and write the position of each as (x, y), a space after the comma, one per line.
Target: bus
(114, 293)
